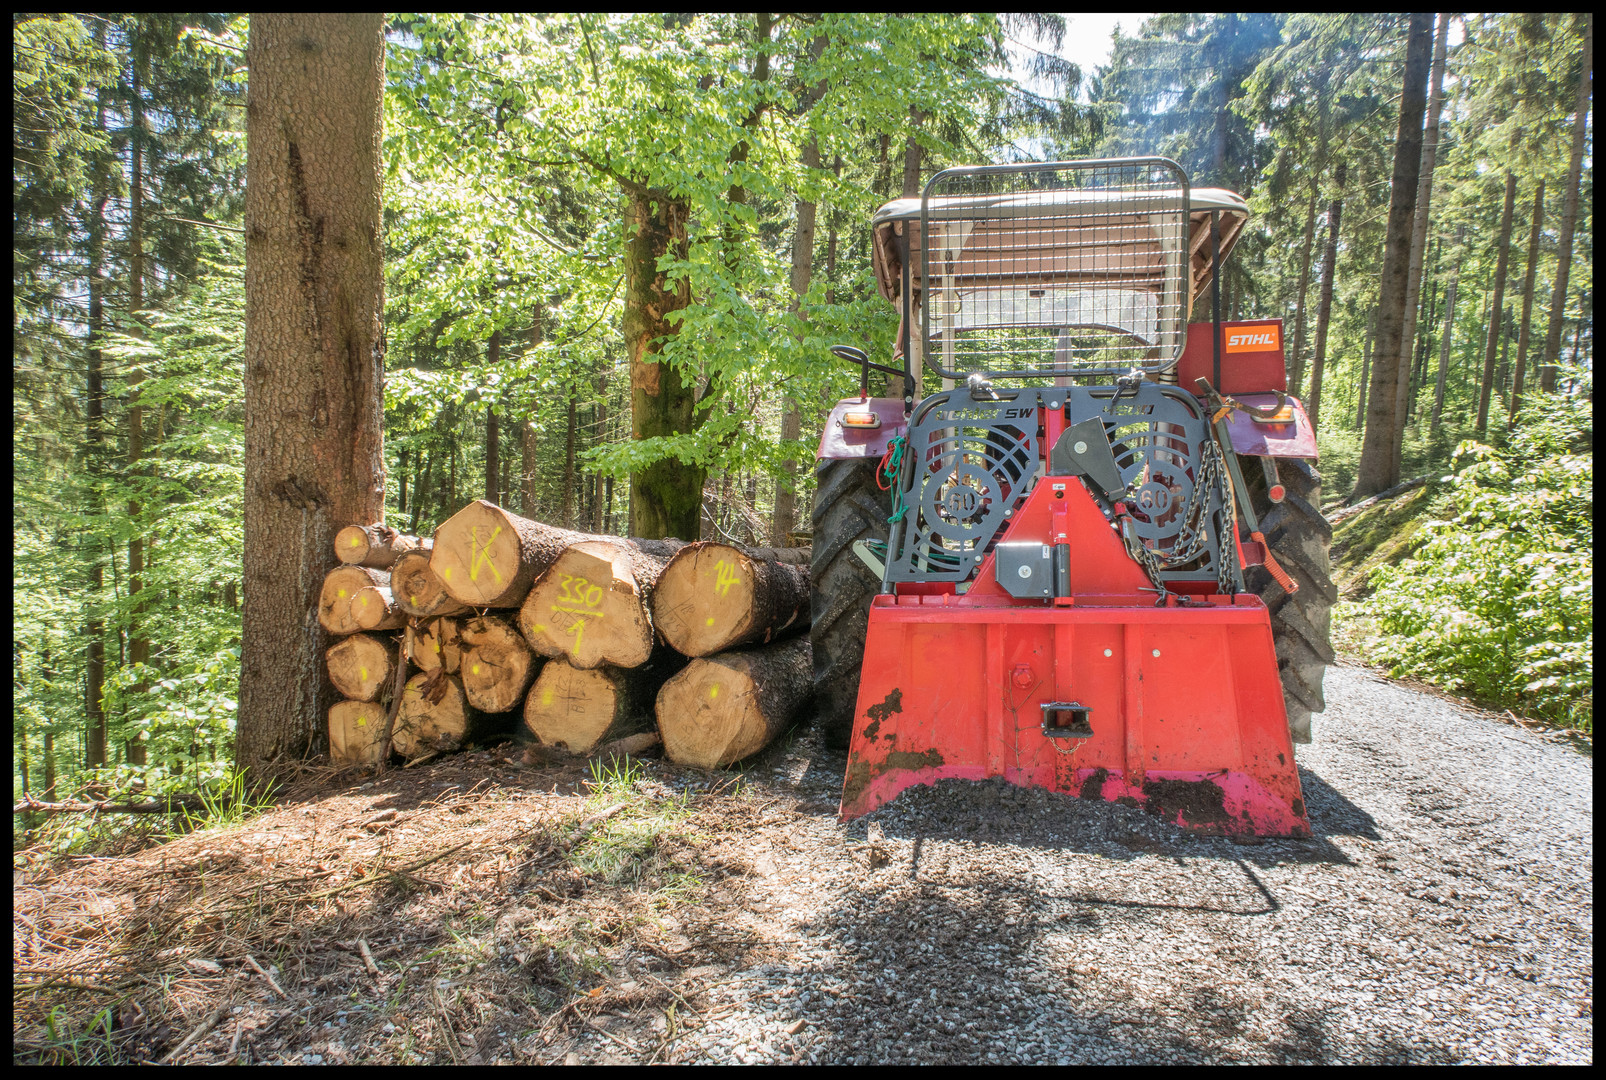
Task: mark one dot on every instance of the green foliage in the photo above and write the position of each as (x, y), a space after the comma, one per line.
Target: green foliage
(1497, 601)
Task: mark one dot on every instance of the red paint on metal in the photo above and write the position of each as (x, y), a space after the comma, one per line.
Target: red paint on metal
(1186, 704)
(1297, 439)
(838, 441)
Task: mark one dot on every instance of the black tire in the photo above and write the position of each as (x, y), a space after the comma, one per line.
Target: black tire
(848, 506)
(1299, 537)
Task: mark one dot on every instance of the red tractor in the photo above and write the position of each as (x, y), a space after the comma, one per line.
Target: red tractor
(1093, 560)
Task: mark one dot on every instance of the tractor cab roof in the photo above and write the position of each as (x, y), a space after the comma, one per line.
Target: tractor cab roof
(1095, 229)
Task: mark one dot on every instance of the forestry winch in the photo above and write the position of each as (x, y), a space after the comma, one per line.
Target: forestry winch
(1053, 567)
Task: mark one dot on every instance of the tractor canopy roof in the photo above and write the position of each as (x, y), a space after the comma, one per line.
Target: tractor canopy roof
(1107, 235)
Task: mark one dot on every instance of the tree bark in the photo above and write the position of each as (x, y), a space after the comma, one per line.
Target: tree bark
(139, 645)
(724, 708)
(486, 556)
(94, 406)
(421, 489)
(1379, 469)
(361, 665)
(436, 717)
(1534, 229)
(496, 665)
(590, 606)
(1296, 377)
(714, 597)
(376, 546)
(1419, 239)
(666, 496)
(314, 351)
(1497, 306)
(1366, 373)
(341, 589)
(1444, 351)
(436, 643)
(355, 730)
(1569, 206)
(419, 592)
(493, 433)
(1324, 310)
(577, 709)
(784, 519)
(568, 465)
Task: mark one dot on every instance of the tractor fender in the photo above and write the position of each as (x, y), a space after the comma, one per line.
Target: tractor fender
(838, 442)
(1295, 438)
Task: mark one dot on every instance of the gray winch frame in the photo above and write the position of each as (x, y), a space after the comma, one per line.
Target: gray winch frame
(1054, 256)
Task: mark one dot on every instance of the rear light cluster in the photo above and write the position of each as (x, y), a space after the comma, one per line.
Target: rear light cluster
(861, 420)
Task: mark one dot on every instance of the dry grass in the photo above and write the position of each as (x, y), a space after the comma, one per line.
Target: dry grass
(474, 911)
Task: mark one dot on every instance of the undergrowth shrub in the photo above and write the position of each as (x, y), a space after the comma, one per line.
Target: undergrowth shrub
(1496, 602)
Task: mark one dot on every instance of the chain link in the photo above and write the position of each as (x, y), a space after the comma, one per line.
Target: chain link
(1212, 476)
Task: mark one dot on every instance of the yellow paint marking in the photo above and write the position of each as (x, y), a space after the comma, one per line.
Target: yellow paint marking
(724, 576)
(578, 630)
(363, 674)
(342, 594)
(538, 628)
(356, 541)
(437, 647)
(362, 721)
(446, 573)
(546, 697)
(713, 692)
(710, 620)
(482, 554)
(476, 669)
(412, 599)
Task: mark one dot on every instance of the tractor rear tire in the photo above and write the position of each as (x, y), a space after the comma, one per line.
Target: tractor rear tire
(1299, 537)
(848, 506)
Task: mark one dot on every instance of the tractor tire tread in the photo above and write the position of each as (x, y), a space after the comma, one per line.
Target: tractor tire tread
(848, 506)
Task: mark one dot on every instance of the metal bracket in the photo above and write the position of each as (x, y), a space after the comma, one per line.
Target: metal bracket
(1067, 720)
(862, 549)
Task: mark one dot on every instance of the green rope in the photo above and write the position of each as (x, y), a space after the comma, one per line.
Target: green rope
(892, 465)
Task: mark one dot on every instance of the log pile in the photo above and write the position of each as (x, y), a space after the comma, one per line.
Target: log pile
(500, 626)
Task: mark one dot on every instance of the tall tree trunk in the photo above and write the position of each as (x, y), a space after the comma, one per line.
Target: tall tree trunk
(493, 432)
(528, 470)
(139, 645)
(785, 517)
(421, 489)
(1497, 306)
(1324, 311)
(314, 352)
(1366, 374)
(1419, 240)
(1379, 468)
(1444, 342)
(1296, 377)
(665, 497)
(1569, 206)
(1534, 229)
(598, 523)
(401, 470)
(568, 467)
(95, 631)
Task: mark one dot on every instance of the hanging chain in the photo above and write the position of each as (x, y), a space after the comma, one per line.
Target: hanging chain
(1211, 476)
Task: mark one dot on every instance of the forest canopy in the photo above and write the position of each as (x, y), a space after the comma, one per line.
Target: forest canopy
(537, 169)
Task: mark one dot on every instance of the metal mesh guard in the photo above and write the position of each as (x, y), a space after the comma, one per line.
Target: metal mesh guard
(1070, 269)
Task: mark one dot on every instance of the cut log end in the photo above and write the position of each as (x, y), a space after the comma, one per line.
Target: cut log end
(434, 716)
(355, 728)
(341, 588)
(486, 556)
(713, 597)
(360, 666)
(373, 545)
(418, 591)
(724, 708)
(587, 608)
(496, 665)
(436, 642)
(576, 710)
(374, 608)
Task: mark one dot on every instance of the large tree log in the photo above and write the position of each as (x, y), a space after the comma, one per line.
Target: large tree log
(714, 597)
(340, 587)
(436, 642)
(375, 608)
(497, 665)
(355, 732)
(486, 556)
(377, 545)
(360, 666)
(436, 717)
(727, 707)
(577, 709)
(417, 589)
(590, 606)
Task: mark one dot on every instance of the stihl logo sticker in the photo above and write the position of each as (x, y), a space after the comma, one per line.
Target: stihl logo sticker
(1253, 339)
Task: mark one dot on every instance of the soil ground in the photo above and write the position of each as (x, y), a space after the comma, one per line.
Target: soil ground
(481, 910)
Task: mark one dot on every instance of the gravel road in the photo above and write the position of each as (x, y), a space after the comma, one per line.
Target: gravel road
(1441, 913)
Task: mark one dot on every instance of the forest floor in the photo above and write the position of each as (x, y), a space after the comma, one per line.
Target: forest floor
(481, 910)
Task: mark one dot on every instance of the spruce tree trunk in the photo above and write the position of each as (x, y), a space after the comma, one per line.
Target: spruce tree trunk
(665, 497)
(139, 645)
(95, 630)
(784, 520)
(1379, 469)
(1569, 206)
(1444, 352)
(713, 597)
(1296, 377)
(724, 708)
(1324, 312)
(1497, 306)
(1366, 374)
(568, 466)
(314, 355)
(1534, 229)
(1419, 237)
(493, 432)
